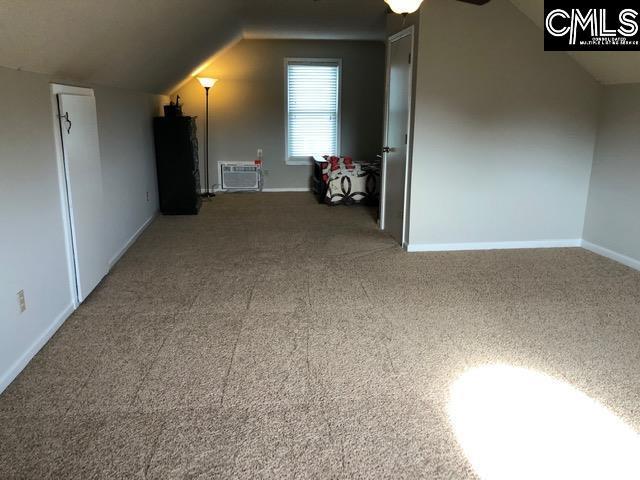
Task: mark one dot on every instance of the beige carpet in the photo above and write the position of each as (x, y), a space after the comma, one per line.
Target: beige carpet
(272, 337)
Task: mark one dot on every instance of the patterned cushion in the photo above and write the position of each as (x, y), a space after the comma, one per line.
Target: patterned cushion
(347, 182)
(334, 164)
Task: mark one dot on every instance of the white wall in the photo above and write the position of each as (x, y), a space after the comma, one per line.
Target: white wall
(612, 220)
(504, 132)
(127, 153)
(32, 248)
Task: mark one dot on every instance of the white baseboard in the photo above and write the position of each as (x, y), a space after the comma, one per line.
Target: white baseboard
(570, 243)
(452, 247)
(275, 190)
(268, 190)
(131, 241)
(615, 256)
(17, 367)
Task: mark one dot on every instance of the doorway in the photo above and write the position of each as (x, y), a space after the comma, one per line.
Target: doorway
(397, 135)
(80, 176)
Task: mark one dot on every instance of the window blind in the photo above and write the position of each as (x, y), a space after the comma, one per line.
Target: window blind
(313, 103)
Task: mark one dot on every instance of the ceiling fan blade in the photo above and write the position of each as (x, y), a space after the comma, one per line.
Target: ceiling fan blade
(475, 2)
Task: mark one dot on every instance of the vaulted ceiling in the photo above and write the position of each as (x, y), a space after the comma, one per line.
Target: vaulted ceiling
(606, 67)
(151, 45)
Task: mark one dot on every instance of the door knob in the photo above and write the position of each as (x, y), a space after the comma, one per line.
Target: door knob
(386, 149)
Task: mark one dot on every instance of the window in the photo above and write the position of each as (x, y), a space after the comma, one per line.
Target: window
(313, 109)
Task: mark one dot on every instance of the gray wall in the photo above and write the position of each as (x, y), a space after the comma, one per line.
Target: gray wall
(248, 103)
(504, 131)
(128, 161)
(612, 219)
(32, 244)
(32, 237)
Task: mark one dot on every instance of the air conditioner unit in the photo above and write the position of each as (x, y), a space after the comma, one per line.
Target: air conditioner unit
(240, 176)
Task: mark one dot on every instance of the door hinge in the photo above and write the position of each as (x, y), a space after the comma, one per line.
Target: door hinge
(406, 139)
(409, 59)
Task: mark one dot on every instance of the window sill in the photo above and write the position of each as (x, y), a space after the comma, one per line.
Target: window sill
(299, 161)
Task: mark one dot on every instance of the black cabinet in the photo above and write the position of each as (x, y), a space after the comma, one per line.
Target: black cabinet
(177, 165)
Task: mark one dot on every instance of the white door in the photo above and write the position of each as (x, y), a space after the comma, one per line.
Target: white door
(83, 174)
(398, 106)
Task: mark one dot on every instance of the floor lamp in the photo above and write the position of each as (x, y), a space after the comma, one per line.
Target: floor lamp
(207, 83)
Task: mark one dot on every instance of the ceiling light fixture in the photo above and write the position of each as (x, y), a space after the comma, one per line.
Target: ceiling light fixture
(404, 7)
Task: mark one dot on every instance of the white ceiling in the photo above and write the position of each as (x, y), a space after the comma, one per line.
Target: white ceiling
(606, 67)
(152, 45)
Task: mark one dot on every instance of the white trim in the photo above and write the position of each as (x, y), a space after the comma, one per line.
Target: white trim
(267, 190)
(618, 257)
(568, 243)
(383, 160)
(402, 33)
(294, 189)
(17, 367)
(407, 169)
(131, 241)
(452, 247)
(301, 161)
(56, 89)
(409, 31)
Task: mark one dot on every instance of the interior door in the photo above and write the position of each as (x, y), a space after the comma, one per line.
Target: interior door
(83, 173)
(398, 105)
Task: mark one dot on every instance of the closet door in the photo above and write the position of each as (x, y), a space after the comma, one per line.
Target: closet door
(83, 172)
(396, 150)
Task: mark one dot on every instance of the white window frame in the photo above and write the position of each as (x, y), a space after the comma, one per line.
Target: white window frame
(309, 160)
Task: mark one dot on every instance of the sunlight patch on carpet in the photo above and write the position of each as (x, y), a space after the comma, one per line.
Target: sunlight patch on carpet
(515, 423)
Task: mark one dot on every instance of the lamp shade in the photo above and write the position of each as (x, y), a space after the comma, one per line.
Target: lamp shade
(404, 6)
(207, 82)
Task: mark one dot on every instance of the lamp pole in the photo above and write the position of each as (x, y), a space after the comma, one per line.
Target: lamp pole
(209, 194)
(207, 83)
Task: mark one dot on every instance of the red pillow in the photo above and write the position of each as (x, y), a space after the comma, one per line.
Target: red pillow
(335, 163)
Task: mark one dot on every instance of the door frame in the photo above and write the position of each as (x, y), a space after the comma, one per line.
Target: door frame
(63, 182)
(409, 31)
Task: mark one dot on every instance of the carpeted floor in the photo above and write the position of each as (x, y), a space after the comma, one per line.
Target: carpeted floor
(272, 337)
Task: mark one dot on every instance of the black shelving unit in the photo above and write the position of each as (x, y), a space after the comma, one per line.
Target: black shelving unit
(177, 165)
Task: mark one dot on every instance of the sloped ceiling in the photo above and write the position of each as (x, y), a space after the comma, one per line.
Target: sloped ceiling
(314, 19)
(151, 45)
(606, 67)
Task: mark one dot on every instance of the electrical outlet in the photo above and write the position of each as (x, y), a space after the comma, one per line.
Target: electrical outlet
(21, 301)
(260, 154)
